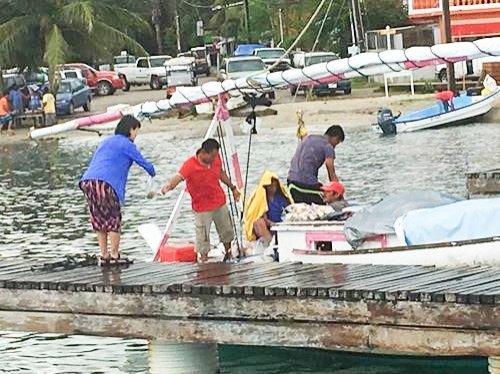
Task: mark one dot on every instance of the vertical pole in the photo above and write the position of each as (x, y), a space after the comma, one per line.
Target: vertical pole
(282, 34)
(178, 31)
(355, 19)
(450, 70)
(156, 18)
(388, 36)
(361, 27)
(353, 33)
(247, 20)
(158, 38)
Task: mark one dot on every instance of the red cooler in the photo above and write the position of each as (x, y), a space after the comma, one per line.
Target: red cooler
(177, 252)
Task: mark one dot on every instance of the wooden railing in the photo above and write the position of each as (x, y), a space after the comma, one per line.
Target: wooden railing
(426, 6)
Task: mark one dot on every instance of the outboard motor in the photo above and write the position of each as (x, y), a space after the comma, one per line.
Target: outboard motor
(385, 120)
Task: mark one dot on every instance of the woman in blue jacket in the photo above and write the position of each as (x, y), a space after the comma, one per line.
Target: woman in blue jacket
(104, 185)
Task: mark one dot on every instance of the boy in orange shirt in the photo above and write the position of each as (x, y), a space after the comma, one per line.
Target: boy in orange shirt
(6, 116)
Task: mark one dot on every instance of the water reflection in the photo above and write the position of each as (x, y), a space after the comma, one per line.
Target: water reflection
(42, 213)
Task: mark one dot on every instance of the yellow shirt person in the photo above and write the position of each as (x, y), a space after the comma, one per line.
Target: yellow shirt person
(49, 108)
(49, 103)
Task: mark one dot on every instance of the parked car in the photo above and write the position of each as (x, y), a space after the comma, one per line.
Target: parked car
(200, 60)
(147, 70)
(302, 60)
(243, 67)
(103, 82)
(246, 49)
(72, 94)
(271, 55)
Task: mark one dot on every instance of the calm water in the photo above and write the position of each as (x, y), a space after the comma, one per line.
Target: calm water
(42, 213)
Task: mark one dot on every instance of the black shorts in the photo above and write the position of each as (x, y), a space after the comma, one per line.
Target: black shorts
(304, 193)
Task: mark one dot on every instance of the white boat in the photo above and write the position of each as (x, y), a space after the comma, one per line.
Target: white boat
(467, 109)
(465, 232)
(299, 242)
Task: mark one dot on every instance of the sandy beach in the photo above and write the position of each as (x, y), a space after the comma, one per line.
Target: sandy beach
(354, 113)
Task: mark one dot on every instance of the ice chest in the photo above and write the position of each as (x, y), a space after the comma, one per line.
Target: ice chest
(178, 252)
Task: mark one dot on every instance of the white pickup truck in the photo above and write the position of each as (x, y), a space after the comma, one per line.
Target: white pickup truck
(146, 70)
(465, 69)
(244, 67)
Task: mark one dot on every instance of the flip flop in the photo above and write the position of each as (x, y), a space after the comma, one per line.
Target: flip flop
(119, 261)
(104, 261)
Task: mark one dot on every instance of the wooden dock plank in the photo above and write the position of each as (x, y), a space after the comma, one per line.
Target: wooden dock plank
(335, 306)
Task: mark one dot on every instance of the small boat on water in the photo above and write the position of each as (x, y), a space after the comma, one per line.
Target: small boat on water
(467, 109)
(465, 233)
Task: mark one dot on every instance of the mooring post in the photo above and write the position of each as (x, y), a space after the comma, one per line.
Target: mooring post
(494, 365)
(183, 358)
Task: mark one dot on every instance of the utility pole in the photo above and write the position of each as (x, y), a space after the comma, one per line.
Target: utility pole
(177, 28)
(282, 34)
(156, 20)
(450, 70)
(247, 21)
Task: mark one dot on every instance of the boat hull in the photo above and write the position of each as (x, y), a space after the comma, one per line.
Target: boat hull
(298, 242)
(464, 115)
(441, 254)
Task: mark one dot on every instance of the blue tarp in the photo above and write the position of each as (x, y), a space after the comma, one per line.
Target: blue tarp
(379, 219)
(463, 220)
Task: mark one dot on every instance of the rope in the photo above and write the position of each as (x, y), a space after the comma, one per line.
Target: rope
(232, 204)
(322, 25)
(252, 119)
(302, 33)
(70, 262)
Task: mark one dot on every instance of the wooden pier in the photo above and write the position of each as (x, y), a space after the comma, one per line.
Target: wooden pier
(384, 309)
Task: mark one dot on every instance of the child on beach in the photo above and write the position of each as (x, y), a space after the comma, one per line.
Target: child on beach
(35, 103)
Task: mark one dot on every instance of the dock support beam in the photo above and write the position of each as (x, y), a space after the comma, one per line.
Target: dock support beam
(494, 365)
(177, 358)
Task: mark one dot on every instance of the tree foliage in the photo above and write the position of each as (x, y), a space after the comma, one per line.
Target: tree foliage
(39, 32)
(52, 32)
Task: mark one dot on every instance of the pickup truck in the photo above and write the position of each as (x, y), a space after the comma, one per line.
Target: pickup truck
(272, 55)
(101, 82)
(243, 67)
(146, 70)
(302, 60)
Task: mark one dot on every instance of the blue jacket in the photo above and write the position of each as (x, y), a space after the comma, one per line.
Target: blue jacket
(112, 161)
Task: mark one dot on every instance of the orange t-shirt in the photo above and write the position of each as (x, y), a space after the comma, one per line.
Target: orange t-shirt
(445, 95)
(203, 184)
(4, 106)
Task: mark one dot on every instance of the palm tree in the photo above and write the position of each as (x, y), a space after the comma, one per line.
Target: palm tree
(37, 32)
